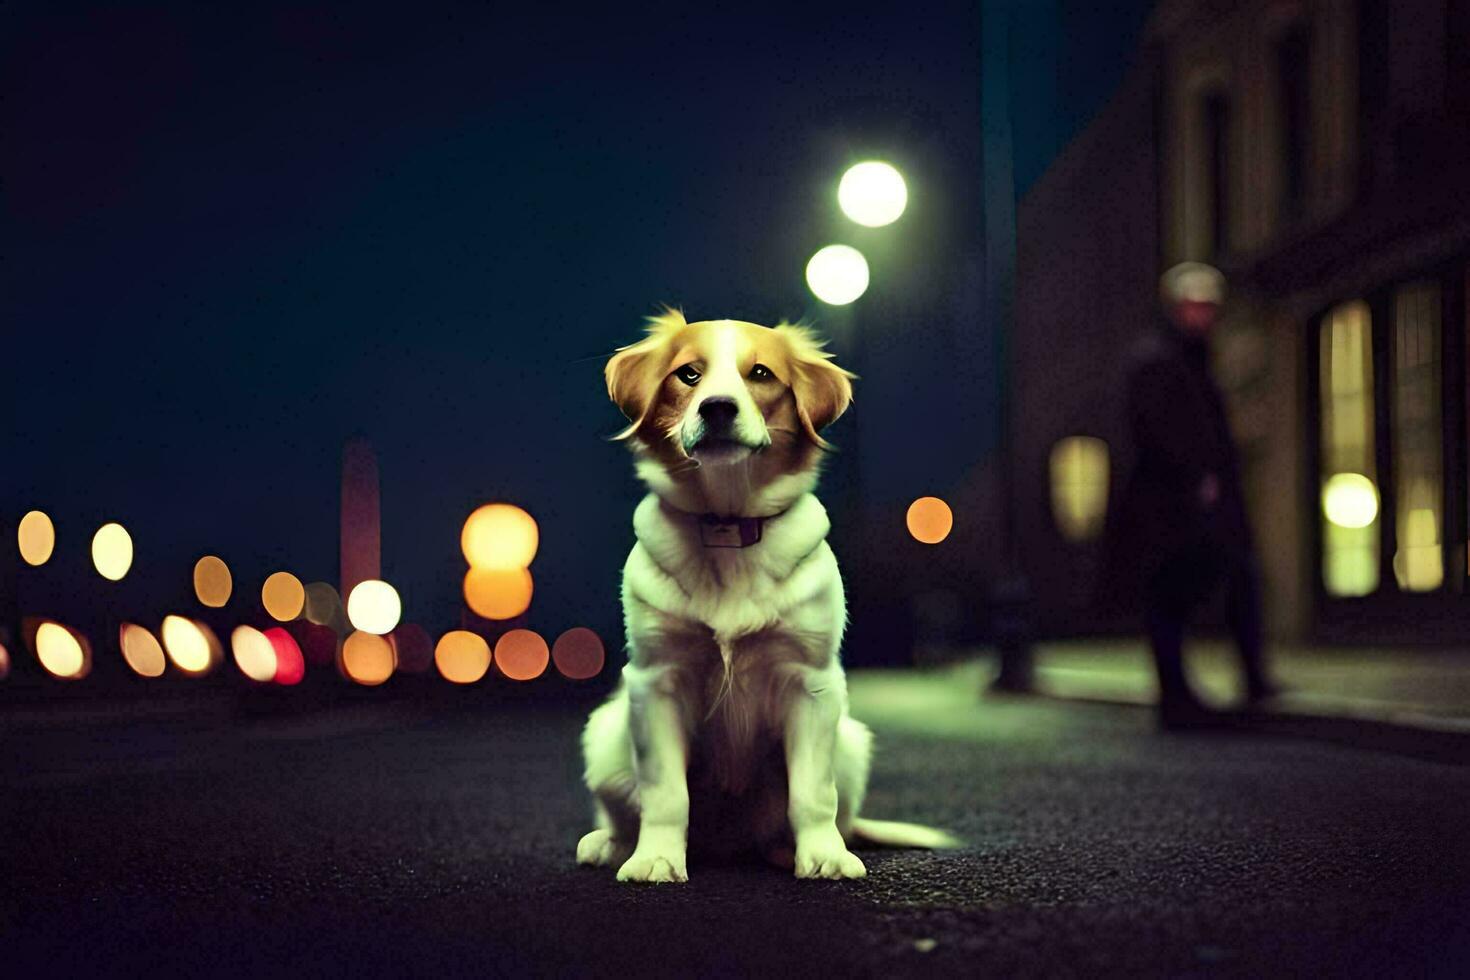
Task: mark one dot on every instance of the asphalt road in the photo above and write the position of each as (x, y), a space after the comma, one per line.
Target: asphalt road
(387, 840)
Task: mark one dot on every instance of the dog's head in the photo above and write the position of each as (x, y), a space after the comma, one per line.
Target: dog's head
(718, 392)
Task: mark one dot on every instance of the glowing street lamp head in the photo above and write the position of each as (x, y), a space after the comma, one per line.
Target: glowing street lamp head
(837, 274)
(873, 194)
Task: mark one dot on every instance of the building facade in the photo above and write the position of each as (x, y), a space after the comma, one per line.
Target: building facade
(1318, 153)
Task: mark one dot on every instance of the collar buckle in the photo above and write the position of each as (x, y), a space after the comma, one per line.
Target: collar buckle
(716, 531)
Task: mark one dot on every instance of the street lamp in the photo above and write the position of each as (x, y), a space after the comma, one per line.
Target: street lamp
(873, 193)
(837, 275)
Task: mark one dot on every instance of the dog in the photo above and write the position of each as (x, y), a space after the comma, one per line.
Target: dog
(729, 732)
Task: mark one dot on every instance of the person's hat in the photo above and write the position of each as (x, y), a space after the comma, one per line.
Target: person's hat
(1192, 282)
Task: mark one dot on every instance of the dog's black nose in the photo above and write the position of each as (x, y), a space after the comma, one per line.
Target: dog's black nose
(718, 411)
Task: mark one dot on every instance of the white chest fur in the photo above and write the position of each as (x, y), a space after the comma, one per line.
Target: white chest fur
(786, 583)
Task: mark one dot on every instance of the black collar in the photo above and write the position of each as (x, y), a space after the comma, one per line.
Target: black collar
(728, 531)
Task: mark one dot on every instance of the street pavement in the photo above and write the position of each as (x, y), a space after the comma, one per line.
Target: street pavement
(389, 838)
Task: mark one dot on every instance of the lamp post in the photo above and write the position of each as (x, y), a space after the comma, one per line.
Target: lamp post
(1010, 599)
(871, 194)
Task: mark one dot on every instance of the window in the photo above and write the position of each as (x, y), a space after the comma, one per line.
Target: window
(1217, 159)
(1293, 80)
(1349, 475)
(1079, 486)
(1418, 461)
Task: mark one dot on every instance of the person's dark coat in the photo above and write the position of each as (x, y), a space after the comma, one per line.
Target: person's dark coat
(1180, 434)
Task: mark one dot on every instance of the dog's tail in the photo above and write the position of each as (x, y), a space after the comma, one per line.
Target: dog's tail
(892, 833)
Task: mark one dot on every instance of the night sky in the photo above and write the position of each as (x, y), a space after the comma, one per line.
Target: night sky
(232, 239)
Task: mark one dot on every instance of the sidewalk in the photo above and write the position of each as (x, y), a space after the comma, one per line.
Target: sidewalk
(1399, 699)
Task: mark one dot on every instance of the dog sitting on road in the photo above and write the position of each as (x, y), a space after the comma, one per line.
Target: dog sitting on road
(730, 731)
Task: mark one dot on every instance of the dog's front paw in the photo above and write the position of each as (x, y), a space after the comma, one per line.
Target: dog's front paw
(825, 855)
(600, 848)
(658, 857)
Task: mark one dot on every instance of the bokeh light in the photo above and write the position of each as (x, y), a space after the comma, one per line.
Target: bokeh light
(290, 665)
(212, 581)
(374, 607)
(112, 551)
(499, 537)
(413, 648)
(283, 596)
(1350, 500)
(367, 658)
(37, 538)
(1079, 486)
(323, 604)
(61, 651)
(837, 274)
(873, 193)
(522, 655)
(462, 657)
(4, 662)
(141, 650)
(189, 644)
(578, 653)
(929, 520)
(255, 655)
(498, 593)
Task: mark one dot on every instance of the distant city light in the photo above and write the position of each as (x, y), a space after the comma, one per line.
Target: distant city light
(522, 655)
(112, 551)
(367, 658)
(37, 538)
(929, 520)
(1350, 500)
(323, 604)
(60, 651)
(141, 650)
(578, 654)
(499, 537)
(189, 644)
(837, 274)
(374, 607)
(498, 593)
(873, 194)
(290, 665)
(462, 657)
(283, 596)
(255, 655)
(212, 581)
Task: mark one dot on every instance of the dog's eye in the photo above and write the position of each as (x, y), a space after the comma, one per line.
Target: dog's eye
(761, 373)
(688, 375)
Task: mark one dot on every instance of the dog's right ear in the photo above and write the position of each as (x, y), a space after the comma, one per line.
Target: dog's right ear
(635, 372)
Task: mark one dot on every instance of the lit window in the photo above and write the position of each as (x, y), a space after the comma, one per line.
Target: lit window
(1418, 461)
(1349, 476)
(1079, 486)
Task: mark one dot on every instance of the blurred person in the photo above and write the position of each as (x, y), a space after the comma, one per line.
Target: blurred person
(1180, 531)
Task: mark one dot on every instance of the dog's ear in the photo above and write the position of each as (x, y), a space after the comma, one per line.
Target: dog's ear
(636, 371)
(822, 389)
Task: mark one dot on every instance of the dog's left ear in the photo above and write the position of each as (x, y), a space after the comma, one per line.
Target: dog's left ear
(635, 372)
(823, 390)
